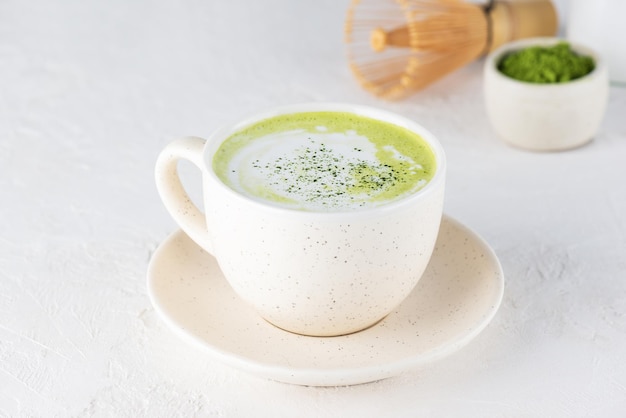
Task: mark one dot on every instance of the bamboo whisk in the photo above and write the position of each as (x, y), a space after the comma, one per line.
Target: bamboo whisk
(396, 47)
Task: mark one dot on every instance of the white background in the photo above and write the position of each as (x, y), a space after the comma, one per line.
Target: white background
(89, 94)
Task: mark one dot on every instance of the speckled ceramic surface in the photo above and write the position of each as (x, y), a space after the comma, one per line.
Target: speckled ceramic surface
(457, 297)
(309, 272)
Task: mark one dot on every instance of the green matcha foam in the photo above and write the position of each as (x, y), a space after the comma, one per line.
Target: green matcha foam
(324, 161)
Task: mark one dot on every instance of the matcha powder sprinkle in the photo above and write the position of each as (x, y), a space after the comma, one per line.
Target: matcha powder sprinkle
(317, 174)
(555, 64)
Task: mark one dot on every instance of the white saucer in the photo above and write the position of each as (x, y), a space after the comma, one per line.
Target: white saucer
(455, 299)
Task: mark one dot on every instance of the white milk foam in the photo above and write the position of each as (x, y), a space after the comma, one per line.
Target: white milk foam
(315, 171)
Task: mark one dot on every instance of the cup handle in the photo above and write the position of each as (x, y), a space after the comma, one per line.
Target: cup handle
(176, 200)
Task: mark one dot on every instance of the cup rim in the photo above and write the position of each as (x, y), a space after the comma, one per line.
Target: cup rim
(492, 60)
(217, 137)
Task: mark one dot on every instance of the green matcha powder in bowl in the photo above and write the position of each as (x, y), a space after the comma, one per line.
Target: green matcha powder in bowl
(546, 64)
(545, 94)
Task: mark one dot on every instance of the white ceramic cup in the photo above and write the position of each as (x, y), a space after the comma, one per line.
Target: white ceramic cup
(545, 117)
(312, 273)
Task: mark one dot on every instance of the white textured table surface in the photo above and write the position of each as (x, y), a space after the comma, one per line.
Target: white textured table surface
(89, 94)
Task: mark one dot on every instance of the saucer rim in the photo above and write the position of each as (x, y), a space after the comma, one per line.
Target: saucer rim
(334, 376)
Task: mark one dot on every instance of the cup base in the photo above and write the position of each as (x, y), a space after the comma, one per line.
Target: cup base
(325, 335)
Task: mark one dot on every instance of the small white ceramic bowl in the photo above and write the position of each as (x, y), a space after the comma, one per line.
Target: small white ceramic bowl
(545, 117)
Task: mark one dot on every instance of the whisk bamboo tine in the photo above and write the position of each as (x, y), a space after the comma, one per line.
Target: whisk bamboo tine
(380, 39)
(398, 47)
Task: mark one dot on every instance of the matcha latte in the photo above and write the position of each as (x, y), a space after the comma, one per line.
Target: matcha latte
(321, 216)
(325, 161)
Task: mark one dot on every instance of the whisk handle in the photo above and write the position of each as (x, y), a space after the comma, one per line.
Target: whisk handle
(517, 20)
